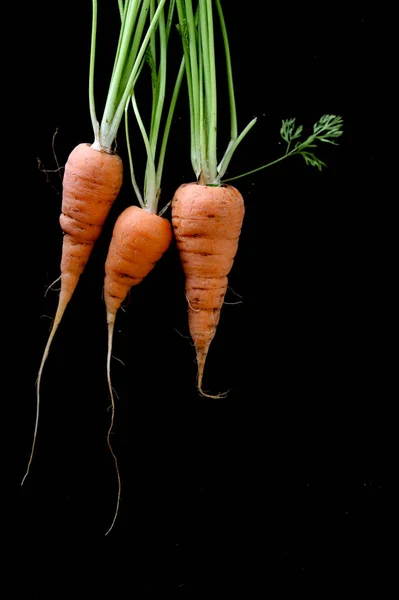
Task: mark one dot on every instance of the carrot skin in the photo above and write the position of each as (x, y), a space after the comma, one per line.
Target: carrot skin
(138, 241)
(207, 223)
(91, 183)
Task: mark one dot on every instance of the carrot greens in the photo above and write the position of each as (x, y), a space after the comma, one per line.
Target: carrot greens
(198, 37)
(155, 152)
(326, 130)
(131, 49)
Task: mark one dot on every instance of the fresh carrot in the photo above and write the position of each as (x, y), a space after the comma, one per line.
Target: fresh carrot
(207, 214)
(207, 224)
(93, 173)
(139, 239)
(141, 235)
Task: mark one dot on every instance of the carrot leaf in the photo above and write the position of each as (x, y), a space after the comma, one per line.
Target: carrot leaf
(326, 130)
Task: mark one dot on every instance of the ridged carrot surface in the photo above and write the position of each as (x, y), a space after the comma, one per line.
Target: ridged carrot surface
(207, 224)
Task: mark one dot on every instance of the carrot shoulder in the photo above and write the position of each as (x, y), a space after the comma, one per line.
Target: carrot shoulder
(207, 222)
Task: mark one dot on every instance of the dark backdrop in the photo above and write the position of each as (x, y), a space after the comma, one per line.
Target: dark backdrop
(283, 488)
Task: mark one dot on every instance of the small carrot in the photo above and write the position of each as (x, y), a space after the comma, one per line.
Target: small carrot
(207, 223)
(141, 235)
(138, 241)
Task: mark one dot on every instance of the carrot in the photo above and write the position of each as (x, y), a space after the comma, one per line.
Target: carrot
(207, 215)
(138, 241)
(141, 235)
(207, 224)
(91, 183)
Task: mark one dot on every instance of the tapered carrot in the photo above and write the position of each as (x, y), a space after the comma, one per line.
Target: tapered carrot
(138, 241)
(207, 216)
(141, 235)
(207, 223)
(91, 183)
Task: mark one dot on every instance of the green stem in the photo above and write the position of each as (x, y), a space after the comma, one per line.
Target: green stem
(134, 46)
(113, 128)
(150, 193)
(230, 83)
(169, 20)
(92, 105)
(211, 95)
(129, 152)
(168, 123)
(202, 149)
(161, 85)
(121, 59)
(231, 148)
(292, 153)
(195, 80)
(152, 45)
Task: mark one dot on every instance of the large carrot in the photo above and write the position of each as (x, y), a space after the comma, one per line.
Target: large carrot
(93, 173)
(207, 224)
(91, 183)
(207, 215)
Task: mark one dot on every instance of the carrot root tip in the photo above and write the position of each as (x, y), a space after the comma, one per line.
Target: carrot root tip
(201, 357)
(111, 324)
(219, 396)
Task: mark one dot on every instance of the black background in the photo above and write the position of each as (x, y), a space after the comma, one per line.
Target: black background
(285, 487)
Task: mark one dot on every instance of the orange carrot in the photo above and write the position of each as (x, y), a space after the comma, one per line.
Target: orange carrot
(207, 223)
(138, 241)
(91, 183)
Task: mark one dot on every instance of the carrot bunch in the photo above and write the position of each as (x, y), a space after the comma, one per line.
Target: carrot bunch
(207, 213)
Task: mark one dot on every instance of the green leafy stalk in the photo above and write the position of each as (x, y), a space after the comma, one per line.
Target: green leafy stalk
(129, 152)
(132, 45)
(124, 52)
(168, 123)
(199, 51)
(121, 8)
(92, 105)
(158, 71)
(233, 111)
(183, 30)
(326, 130)
(209, 96)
